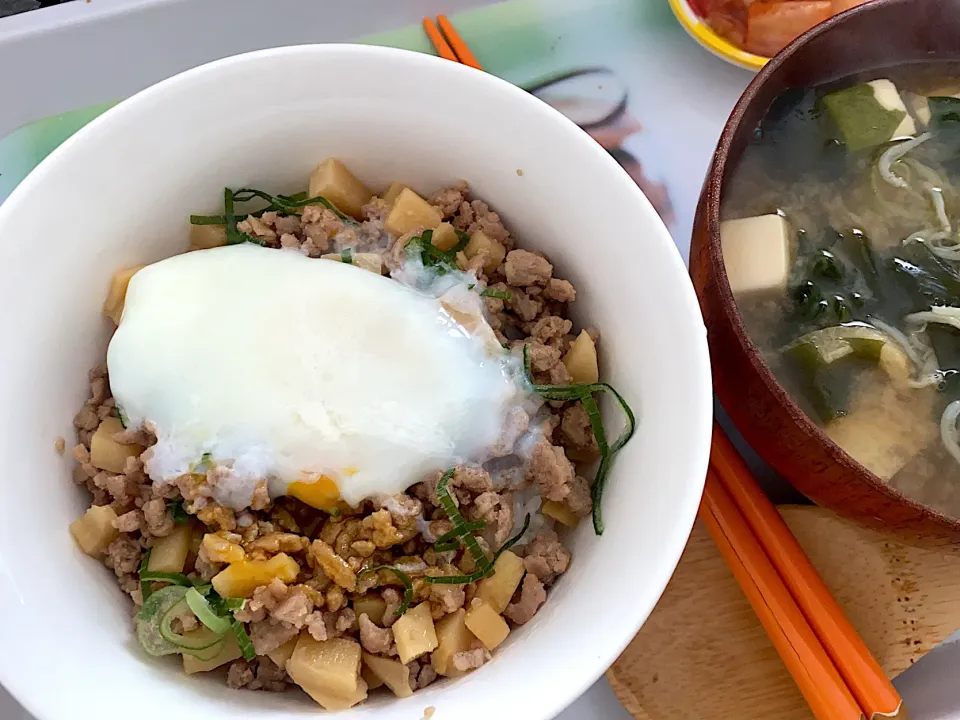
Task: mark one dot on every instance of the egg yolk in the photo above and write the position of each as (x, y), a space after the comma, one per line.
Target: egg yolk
(322, 493)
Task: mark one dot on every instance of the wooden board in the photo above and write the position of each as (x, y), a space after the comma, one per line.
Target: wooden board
(702, 655)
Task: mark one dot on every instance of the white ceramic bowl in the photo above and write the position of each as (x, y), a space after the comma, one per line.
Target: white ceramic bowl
(118, 193)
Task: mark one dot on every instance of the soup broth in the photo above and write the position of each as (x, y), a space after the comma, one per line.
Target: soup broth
(841, 239)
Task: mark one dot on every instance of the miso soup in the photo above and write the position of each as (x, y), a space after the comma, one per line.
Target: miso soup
(841, 240)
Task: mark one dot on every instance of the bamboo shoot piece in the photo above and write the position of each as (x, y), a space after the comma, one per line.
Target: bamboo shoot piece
(283, 653)
(221, 550)
(204, 237)
(393, 192)
(486, 624)
(392, 673)
(328, 671)
(105, 452)
(493, 250)
(211, 659)
(169, 554)
(94, 530)
(333, 181)
(372, 681)
(581, 360)
(113, 305)
(415, 633)
(240, 579)
(560, 512)
(365, 261)
(411, 212)
(498, 588)
(373, 606)
(453, 636)
(444, 237)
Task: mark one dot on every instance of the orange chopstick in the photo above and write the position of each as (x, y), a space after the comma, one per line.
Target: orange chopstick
(866, 679)
(457, 43)
(818, 680)
(438, 42)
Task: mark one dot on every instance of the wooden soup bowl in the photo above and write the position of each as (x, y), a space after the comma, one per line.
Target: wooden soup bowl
(876, 35)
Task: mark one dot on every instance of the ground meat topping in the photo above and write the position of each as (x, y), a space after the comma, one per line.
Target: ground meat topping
(159, 519)
(545, 556)
(560, 291)
(576, 435)
(294, 609)
(374, 639)
(129, 522)
(383, 532)
(477, 215)
(240, 674)
(470, 659)
(523, 268)
(550, 470)
(549, 327)
(268, 635)
(532, 596)
(497, 511)
(316, 626)
(123, 556)
(334, 566)
(579, 500)
(542, 357)
(474, 479)
(393, 600)
(526, 307)
(270, 676)
(450, 199)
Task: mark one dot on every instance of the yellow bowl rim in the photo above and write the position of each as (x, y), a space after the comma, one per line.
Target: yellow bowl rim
(703, 34)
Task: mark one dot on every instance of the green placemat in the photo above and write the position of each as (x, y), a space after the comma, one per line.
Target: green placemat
(556, 50)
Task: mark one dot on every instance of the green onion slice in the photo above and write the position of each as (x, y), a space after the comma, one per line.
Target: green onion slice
(450, 508)
(154, 609)
(585, 394)
(234, 236)
(202, 608)
(243, 640)
(451, 540)
(180, 516)
(208, 220)
(147, 576)
(499, 294)
(514, 540)
(404, 578)
(184, 644)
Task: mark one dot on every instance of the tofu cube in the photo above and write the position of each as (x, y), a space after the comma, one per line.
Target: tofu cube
(756, 254)
(869, 114)
(883, 431)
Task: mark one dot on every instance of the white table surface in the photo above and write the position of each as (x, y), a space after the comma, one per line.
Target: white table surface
(84, 53)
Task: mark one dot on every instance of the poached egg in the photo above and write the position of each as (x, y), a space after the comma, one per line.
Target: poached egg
(328, 381)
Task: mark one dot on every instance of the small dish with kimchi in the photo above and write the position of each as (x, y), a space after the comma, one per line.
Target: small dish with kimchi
(747, 33)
